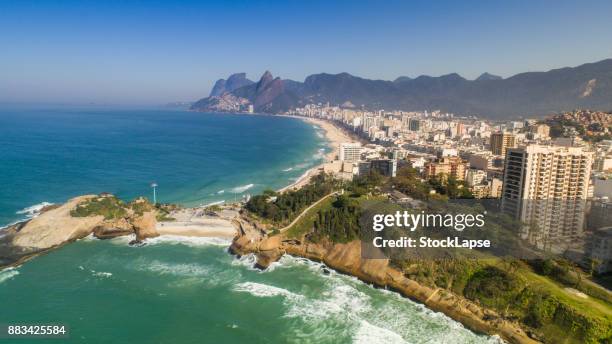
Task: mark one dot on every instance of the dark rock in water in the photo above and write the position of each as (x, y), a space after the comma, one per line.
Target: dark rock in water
(326, 271)
(137, 243)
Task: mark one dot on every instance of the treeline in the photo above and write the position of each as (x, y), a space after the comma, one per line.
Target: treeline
(280, 208)
(340, 223)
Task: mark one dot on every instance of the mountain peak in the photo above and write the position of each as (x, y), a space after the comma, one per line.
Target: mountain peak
(402, 79)
(265, 80)
(233, 82)
(487, 76)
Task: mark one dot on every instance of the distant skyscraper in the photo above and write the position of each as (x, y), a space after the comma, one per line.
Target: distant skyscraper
(500, 142)
(546, 187)
(350, 152)
(414, 124)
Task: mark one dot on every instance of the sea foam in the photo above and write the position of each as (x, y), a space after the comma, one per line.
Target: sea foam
(242, 188)
(7, 274)
(34, 210)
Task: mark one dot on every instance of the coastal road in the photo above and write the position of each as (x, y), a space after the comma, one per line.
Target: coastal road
(308, 209)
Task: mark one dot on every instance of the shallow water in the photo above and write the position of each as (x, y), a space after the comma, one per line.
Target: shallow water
(193, 291)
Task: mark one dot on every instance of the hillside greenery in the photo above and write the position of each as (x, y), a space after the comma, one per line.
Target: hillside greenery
(544, 295)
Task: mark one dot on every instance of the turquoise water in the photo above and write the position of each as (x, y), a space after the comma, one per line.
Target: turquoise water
(193, 291)
(181, 290)
(52, 155)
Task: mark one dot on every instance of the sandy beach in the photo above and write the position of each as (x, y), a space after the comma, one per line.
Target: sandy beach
(334, 135)
(194, 222)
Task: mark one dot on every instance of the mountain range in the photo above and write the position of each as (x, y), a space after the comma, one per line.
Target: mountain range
(525, 94)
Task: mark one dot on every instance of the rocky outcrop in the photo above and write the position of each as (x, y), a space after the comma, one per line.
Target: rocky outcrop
(56, 226)
(113, 228)
(144, 226)
(346, 258)
(76, 219)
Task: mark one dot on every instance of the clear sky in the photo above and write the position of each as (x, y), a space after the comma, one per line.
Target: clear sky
(148, 52)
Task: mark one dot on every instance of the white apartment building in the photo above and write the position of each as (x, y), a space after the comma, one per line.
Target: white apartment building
(350, 152)
(546, 187)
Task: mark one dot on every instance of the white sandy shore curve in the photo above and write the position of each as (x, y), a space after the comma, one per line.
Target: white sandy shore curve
(334, 136)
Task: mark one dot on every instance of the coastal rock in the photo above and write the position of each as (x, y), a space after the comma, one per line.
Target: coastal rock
(270, 243)
(265, 258)
(56, 226)
(112, 229)
(345, 257)
(243, 245)
(375, 269)
(145, 226)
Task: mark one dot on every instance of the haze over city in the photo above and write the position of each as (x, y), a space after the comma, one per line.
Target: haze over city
(153, 53)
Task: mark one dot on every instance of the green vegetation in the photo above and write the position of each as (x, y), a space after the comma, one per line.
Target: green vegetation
(108, 206)
(543, 295)
(282, 208)
(140, 206)
(339, 222)
(163, 215)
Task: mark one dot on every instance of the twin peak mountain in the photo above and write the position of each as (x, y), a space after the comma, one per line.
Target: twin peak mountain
(525, 94)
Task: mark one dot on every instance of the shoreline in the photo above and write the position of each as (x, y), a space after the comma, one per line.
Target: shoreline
(334, 136)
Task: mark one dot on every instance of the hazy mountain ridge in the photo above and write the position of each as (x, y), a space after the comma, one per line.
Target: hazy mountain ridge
(235, 81)
(524, 94)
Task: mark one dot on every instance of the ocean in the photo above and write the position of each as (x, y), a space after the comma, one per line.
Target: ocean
(181, 290)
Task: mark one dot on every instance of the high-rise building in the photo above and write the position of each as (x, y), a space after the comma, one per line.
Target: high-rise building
(546, 187)
(501, 141)
(414, 124)
(350, 152)
(385, 167)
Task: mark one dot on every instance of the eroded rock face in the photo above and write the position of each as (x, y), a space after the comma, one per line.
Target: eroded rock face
(56, 226)
(114, 228)
(144, 226)
(347, 258)
(270, 243)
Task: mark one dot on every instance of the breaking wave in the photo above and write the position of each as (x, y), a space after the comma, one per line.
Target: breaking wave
(34, 210)
(242, 188)
(7, 274)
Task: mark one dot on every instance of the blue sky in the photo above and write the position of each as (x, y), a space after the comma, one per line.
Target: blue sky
(147, 52)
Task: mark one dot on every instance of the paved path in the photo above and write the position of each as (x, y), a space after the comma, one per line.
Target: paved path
(306, 210)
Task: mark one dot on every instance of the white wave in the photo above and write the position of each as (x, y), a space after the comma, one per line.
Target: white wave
(101, 274)
(263, 290)
(34, 210)
(29, 212)
(7, 274)
(319, 155)
(371, 334)
(242, 188)
(373, 315)
(188, 241)
(212, 203)
(288, 169)
(247, 261)
(220, 192)
(189, 270)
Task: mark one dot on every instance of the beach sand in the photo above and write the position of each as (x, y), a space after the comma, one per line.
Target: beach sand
(335, 136)
(193, 222)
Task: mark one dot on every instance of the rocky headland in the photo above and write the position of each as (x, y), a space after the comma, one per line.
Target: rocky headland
(346, 258)
(103, 216)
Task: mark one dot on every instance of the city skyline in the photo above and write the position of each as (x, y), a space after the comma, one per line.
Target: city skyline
(79, 52)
